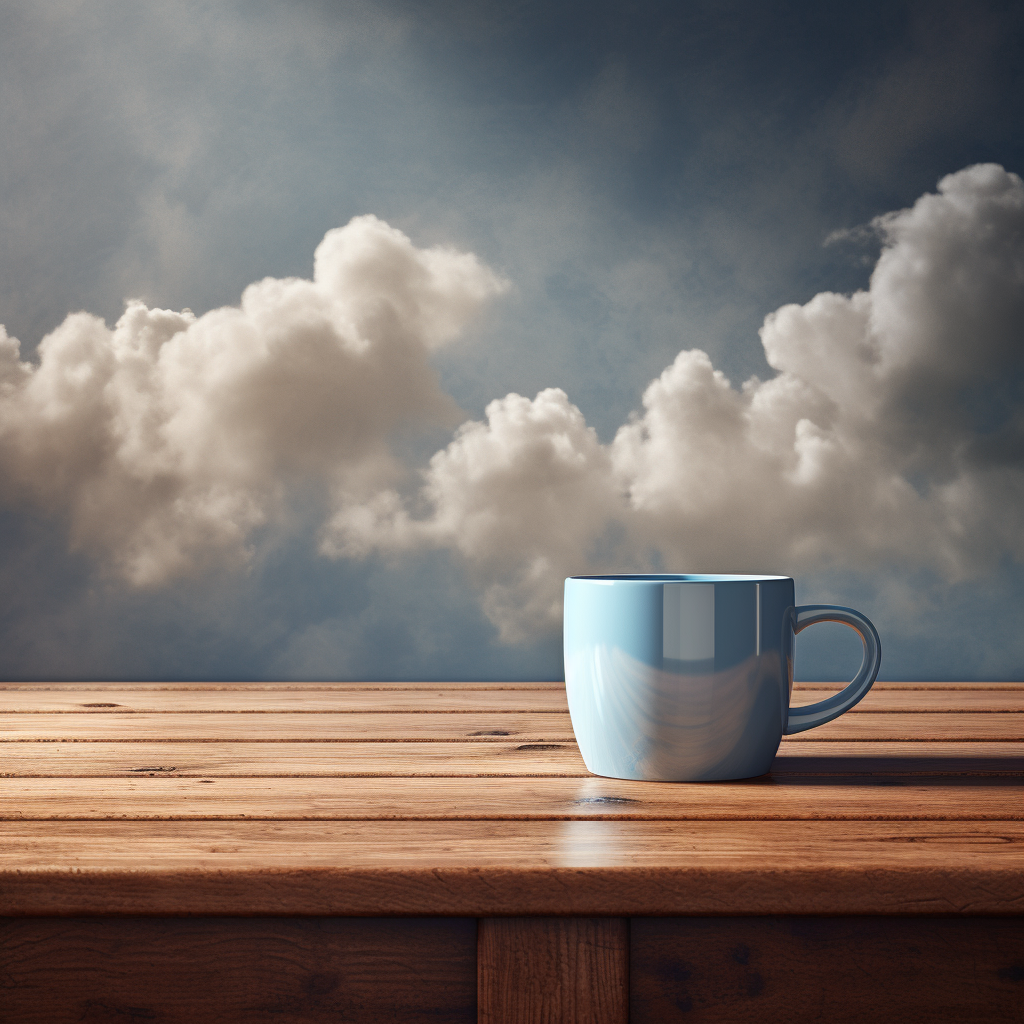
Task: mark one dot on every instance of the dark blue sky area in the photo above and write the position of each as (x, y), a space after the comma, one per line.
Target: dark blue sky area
(650, 177)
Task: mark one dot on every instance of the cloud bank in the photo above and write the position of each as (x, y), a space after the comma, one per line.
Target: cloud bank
(167, 441)
(890, 439)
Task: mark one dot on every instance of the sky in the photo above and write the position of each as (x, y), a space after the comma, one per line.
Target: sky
(336, 335)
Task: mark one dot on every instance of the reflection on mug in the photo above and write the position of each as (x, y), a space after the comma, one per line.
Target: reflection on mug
(665, 724)
(688, 678)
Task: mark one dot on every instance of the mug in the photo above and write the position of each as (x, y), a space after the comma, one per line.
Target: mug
(688, 678)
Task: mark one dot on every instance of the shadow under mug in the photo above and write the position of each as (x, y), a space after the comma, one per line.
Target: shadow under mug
(688, 678)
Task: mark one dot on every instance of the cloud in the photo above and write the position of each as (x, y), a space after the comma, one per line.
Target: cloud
(520, 497)
(167, 441)
(891, 439)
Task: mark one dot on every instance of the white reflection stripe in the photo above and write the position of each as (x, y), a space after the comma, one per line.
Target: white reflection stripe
(757, 628)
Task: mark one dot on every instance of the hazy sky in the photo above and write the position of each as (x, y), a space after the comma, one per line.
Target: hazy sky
(345, 331)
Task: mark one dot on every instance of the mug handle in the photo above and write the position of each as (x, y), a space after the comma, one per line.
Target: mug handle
(807, 717)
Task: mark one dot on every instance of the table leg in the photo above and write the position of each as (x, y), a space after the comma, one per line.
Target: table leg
(553, 970)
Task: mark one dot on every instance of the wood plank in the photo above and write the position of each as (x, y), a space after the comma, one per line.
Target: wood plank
(106, 701)
(813, 757)
(224, 760)
(285, 728)
(238, 970)
(245, 687)
(858, 970)
(214, 760)
(935, 701)
(870, 726)
(528, 727)
(792, 797)
(454, 699)
(553, 970)
(520, 868)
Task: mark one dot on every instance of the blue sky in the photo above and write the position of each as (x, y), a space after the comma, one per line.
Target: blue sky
(633, 183)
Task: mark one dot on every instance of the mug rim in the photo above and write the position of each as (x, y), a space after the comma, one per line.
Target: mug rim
(675, 577)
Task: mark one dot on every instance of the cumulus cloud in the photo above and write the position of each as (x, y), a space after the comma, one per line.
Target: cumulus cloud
(521, 497)
(891, 436)
(168, 440)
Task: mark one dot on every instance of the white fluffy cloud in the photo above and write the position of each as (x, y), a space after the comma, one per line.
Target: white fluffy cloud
(167, 440)
(520, 497)
(891, 437)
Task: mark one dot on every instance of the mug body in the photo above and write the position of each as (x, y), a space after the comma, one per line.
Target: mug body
(678, 678)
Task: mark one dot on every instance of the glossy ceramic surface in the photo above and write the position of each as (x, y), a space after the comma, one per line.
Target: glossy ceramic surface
(687, 678)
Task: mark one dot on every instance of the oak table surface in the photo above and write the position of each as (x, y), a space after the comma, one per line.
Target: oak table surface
(472, 799)
(296, 804)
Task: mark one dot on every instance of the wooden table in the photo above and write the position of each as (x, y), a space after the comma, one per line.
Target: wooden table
(415, 852)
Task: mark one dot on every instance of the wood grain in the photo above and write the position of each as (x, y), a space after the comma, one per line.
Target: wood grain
(519, 868)
(408, 797)
(465, 686)
(453, 699)
(899, 758)
(271, 727)
(212, 760)
(923, 725)
(553, 970)
(361, 800)
(796, 797)
(292, 701)
(950, 702)
(237, 970)
(802, 970)
(222, 760)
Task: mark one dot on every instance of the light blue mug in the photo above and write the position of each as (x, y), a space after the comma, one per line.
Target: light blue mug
(688, 678)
